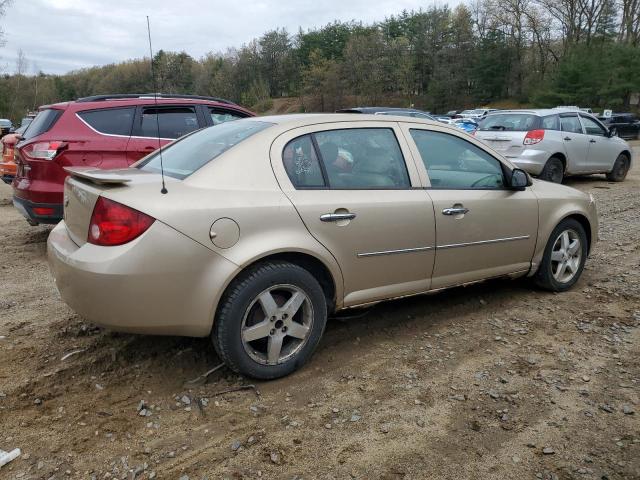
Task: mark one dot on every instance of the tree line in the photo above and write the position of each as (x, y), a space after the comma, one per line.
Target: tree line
(511, 52)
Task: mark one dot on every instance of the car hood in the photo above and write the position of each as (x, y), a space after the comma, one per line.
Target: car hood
(542, 188)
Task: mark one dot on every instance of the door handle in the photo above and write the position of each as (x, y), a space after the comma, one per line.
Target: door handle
(568, 139)
(592, 141)
(148, 148)
(335, 217)
(455, 211)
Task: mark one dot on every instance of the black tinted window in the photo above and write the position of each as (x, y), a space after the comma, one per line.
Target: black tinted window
(114, 121)
(511, 122)
(362, 159)
(43, 122)
(174, 122)
(301, 162)
(183, 157)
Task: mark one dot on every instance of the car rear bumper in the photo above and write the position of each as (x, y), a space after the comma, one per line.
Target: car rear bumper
(160, 283)
(49, 213)
(530, 160)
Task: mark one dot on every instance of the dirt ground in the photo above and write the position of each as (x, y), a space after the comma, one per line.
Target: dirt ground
(493, 381)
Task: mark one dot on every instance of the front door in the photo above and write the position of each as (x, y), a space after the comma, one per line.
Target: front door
(158, 125)
(601, 153)
(483, 230)
(353, 190)
(576, 143)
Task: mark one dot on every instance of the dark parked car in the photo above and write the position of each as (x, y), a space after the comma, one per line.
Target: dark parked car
(104, 131)
(404, 112)
(627, 125)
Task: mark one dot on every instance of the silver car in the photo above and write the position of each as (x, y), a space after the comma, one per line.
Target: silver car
(555, 143)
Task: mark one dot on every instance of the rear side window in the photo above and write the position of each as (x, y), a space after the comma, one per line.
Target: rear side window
(112, 121)
(173, 122)
(42, 123)
(570, 123)
(551, 123)
(183, 157)
(510, 122)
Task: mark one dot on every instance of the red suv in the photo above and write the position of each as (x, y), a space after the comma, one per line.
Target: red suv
(103, 131)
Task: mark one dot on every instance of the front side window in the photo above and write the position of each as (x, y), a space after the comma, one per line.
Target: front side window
(112, 121)
(173, 122)
(183, 157)
(454, 163)
(570, 123)
(592, 127)
(220, 116)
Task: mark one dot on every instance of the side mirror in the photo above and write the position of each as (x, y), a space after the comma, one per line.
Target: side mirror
(519, 179)
(613, 132)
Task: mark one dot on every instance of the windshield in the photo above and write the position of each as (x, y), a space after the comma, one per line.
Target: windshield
(183, 157)
(510, 122)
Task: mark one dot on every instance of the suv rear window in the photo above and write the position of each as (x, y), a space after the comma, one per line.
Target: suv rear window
(510, 122)
(183, 157)
(42, 123)
(112, 121)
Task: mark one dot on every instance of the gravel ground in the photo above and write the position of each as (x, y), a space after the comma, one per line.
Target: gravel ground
(493, 381)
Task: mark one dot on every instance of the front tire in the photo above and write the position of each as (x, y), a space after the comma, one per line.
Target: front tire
(620, 169)
(564, 257)
(553, 170)
(270, 320)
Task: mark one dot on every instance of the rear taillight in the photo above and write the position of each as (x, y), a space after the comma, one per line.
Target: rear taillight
(45, 150)
(115, 224)
(533, 136)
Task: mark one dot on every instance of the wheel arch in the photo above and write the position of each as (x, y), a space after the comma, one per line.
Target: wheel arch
(317, 267)
(586, 224)
(560, 156)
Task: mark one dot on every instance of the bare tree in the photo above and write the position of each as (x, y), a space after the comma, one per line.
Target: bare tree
(630, 22)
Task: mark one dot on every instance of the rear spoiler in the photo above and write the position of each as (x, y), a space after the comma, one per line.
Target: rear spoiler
(103, 177)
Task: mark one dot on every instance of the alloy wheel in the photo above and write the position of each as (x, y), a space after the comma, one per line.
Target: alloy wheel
(566, 256)
(277, 324)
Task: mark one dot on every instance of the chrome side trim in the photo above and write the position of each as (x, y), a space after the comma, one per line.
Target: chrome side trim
(483, 242)
(391, 252)
(121, 136)
(441, 247)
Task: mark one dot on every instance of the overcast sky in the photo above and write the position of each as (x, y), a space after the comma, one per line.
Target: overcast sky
(62, 35)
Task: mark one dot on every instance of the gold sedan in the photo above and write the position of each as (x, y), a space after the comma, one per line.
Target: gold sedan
(271, 224)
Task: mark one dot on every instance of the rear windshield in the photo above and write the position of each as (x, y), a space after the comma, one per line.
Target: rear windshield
(183, 157)
(43, 122)
(510, 122)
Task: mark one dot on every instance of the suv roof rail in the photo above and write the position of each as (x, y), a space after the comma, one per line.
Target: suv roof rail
(122, 96)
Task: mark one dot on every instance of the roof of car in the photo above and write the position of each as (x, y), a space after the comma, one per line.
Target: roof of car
(378, 109)
(304, 119)
(539, 111)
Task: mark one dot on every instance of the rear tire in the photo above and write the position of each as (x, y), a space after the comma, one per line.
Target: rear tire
(564, 257)
(620, 169)
(553, 170)
(270, 320)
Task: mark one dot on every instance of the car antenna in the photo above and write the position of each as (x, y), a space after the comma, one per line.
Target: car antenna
(155, 99)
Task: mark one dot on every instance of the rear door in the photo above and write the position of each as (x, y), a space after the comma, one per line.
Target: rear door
(159, 125)
(483, 230)
(107, 147)
(356, 188)
(576, 143)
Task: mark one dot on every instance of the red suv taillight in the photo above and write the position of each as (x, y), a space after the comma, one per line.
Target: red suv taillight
(115, 224)
(533, 137)
(44, 150)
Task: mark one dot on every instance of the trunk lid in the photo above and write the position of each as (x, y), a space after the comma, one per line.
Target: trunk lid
(509, 144)
(85, 185)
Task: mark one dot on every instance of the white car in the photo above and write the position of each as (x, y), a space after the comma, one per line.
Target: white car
(555, 143)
